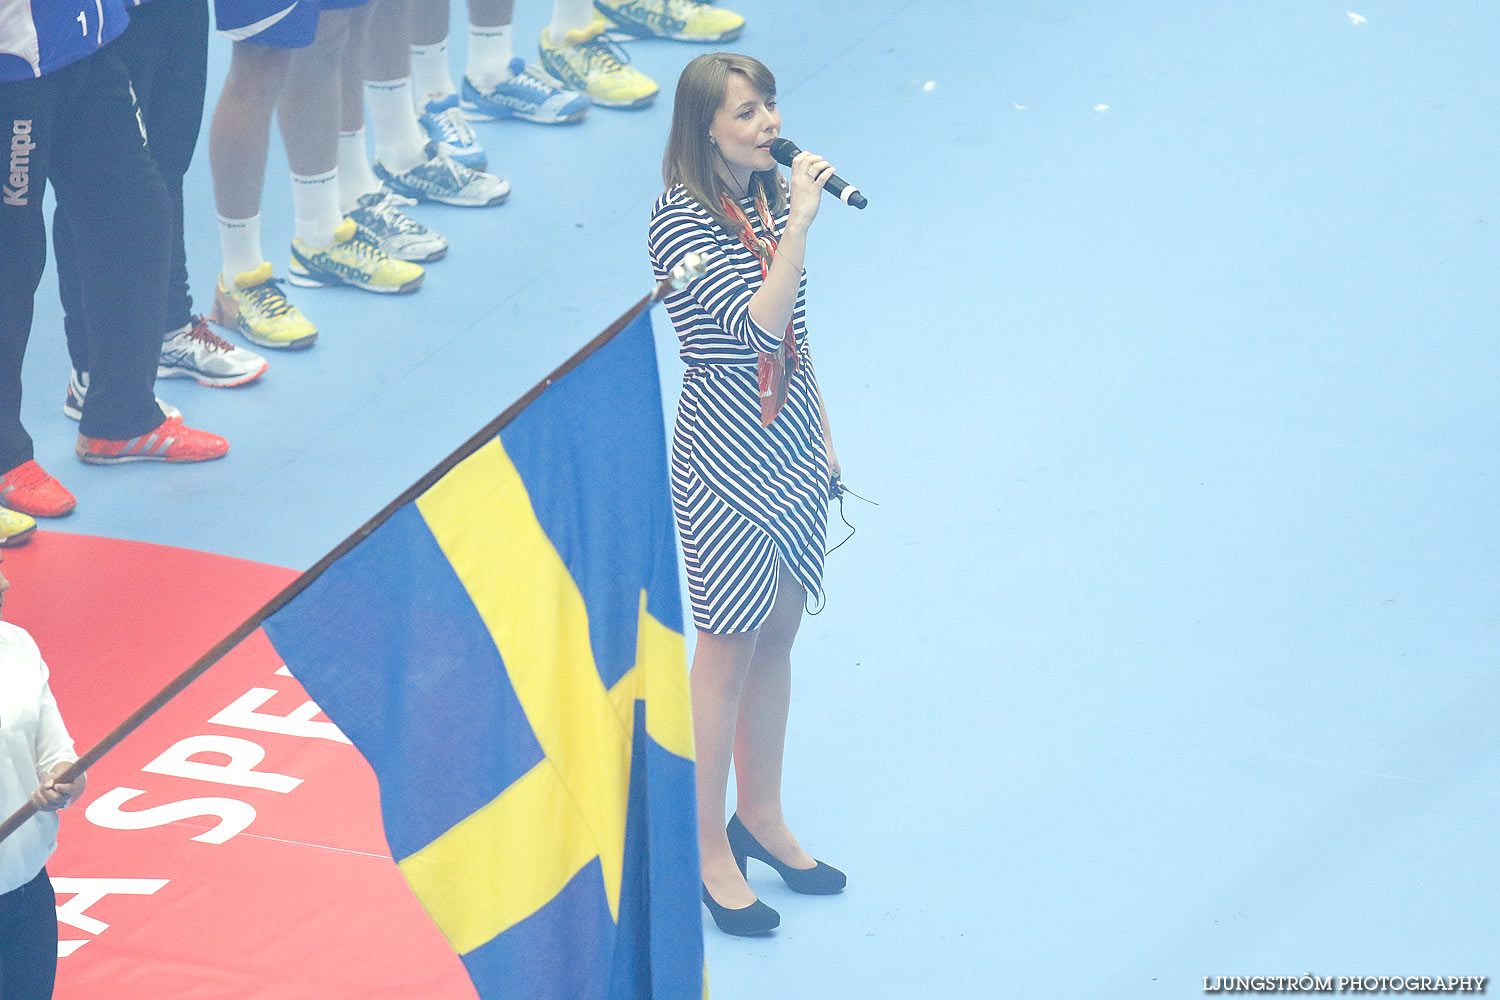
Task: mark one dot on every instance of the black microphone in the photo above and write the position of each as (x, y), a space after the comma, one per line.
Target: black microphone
(784, 149)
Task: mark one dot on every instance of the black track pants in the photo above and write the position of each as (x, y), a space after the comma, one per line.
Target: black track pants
(77, 128)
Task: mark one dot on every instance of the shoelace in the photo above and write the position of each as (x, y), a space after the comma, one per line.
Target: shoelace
(538, 81)
(462, 174)
(455, 127)
(600, 51)
(269, 298)
(201, 333)
(526, 81)
(388, 212)
(365, 249)
(536, 75)
(441, 161)
(381, 215)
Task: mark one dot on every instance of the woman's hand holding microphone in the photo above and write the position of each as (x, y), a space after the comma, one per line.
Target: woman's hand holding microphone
(808, 173)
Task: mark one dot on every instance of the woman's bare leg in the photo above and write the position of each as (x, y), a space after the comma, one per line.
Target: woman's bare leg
(760, 733)
(720, 663)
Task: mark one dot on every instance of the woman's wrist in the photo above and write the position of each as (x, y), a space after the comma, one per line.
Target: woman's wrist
(793, 245)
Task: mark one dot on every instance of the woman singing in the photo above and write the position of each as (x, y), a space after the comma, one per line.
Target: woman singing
(752, 460)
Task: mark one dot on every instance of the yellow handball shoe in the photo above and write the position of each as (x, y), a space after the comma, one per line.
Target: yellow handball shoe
(679, 20)
(587, 61)
(352, 260)
(255, 306)
(15, 528)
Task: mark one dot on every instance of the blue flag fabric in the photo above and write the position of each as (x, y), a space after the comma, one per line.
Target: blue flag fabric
(507, 652)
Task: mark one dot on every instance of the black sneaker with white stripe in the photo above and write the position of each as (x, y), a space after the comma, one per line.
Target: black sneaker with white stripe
(381, 222)
(442, 178)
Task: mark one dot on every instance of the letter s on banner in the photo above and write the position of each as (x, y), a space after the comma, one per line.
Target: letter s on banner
(234, 815)
(243, 755)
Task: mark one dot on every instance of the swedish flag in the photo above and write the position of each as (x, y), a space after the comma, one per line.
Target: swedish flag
(506, 650)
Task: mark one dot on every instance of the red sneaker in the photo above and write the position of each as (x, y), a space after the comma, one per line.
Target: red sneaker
(170, 441)
(28, 489)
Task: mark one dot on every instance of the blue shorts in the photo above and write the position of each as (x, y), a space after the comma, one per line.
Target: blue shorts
(282, 24)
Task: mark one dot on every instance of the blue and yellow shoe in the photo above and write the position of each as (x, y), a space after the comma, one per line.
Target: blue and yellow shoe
(352, 261)
(679, 20)
(15, 528)
(255, 306)
(588, 62)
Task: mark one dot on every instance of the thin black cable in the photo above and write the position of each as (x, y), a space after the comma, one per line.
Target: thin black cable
(836, 491)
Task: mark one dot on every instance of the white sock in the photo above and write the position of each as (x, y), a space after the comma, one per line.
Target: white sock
(239, 242)
(315, 208)
(570, 15)
(356, 179)
(399, 142)
(431, 80)
(489, 56)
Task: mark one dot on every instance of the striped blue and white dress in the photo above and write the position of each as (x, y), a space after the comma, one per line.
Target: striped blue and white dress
(746, 497)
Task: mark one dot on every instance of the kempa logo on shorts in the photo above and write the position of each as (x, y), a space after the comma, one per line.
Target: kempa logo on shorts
(21, 145)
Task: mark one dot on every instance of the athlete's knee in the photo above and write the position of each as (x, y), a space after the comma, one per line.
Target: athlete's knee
(257, 73)
(333, 34)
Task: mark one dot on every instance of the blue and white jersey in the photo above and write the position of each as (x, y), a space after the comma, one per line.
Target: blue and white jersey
(40, 36)
(285, 24)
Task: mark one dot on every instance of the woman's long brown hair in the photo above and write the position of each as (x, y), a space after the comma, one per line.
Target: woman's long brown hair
(691, 160)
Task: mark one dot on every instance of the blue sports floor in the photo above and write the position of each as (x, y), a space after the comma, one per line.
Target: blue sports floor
(1167, 346)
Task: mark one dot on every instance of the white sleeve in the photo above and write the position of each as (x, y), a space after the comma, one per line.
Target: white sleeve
(53, 744)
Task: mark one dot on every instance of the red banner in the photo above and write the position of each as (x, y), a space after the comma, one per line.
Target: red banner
(232, 846)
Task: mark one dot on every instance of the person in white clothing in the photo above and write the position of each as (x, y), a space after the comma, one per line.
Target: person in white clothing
(35, 750)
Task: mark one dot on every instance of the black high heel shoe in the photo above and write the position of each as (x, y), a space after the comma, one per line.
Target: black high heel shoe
(819, 880)
(757, 918)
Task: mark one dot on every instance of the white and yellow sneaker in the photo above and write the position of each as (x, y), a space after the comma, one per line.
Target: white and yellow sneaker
(256, 307)
(588, 62)
(679, 20)
(352, 260)
(15, 528)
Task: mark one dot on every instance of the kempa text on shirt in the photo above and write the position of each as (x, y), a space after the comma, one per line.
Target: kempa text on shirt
(21, 145)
